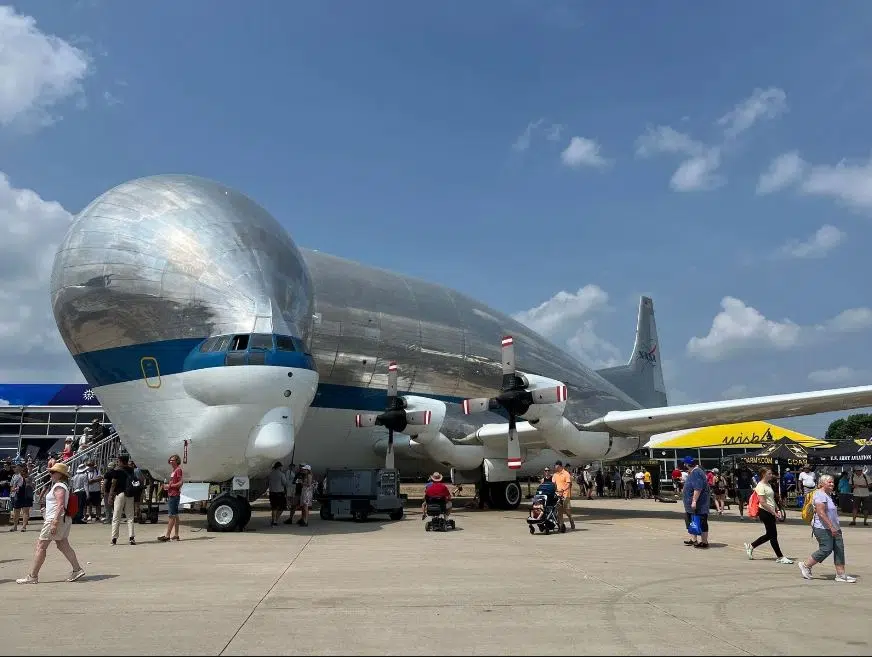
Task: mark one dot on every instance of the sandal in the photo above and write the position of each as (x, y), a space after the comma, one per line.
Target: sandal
(175, 538)
(690, 542)
(162, 539)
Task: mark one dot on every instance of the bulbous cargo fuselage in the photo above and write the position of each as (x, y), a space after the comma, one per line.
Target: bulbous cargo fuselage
(145, 274)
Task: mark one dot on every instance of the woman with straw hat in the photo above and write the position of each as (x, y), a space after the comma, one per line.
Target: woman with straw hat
(56, 526)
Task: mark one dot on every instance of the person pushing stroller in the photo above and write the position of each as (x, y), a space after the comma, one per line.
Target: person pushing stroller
(544, 509)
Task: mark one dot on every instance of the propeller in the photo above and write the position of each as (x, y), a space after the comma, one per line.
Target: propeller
(395, 417)
(515, 399)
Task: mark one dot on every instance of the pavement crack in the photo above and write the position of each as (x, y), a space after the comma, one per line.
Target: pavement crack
(268, 591)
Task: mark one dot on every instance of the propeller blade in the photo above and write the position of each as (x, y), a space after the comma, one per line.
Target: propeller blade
(418, 418)
(549, 395)
(392, 380)
(513, 454)
(389, 455)
(476, 405)
(508, 353)
(365, 420)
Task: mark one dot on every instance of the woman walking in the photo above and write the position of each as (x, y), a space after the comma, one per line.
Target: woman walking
(174, 493)
(56, 526)
(719, 487)
(828, 532)
(22, 497)
(307, 493)
(769, 514)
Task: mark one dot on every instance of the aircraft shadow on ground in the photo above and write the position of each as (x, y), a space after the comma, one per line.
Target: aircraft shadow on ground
(2, 561)
(665, 511)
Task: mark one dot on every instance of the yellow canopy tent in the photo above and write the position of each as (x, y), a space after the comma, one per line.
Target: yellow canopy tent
(745, 434)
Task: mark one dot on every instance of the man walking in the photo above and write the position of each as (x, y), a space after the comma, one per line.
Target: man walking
(121, 496)
(563, 481)
(697, 500)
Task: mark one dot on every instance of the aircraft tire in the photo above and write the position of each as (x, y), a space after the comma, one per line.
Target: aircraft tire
(224, 514)
(505, 495)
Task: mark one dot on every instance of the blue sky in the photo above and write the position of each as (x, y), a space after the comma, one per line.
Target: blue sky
(394, 134)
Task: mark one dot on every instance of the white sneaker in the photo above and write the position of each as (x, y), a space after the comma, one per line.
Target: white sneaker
(846, 578)
(749, 550)
(76, 574)
(27, 580)
(805, 570)
(784, 560)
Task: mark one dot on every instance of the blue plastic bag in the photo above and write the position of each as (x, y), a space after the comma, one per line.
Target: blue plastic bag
(695, 526)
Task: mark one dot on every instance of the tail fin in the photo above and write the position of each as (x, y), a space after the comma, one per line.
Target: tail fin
(642, 377)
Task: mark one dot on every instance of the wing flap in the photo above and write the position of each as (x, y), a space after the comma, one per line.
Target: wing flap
(649, 421)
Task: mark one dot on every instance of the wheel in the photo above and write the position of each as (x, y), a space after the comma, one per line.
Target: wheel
(532, 529)
(224, 513)
(428, 526)
(505, 495)
(451, 524)
(360, 516)
(397, 514)
(562, 529)
(325, 512)
(245, 516)
(547, 531)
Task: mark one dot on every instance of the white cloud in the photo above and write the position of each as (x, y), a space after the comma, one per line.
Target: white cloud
(698, 173)
(761, 104)
(4, 402)
(825, 239)
(571, 318)
(30, 346)
(699, 170)
(552, 132)
(783, 171)
(739, 327)
(37, 71)
(583, 152)
(547, 317)
(850, 184)
(840, 376)
(593, 350)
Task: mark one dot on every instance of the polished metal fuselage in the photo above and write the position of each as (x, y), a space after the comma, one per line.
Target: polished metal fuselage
(446, 343)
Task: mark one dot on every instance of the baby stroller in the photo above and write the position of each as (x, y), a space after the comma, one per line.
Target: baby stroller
(543, 511)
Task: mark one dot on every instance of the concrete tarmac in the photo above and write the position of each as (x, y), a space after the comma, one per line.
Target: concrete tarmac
(622, 583)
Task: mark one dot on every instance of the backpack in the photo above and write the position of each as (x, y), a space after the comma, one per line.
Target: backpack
(133, 483)
(72, 508)
(808, 511)
(753, 505)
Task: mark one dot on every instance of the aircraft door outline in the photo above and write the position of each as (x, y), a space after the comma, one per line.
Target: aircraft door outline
(150, 371)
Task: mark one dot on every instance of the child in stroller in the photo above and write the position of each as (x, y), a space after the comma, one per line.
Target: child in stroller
(543, 511)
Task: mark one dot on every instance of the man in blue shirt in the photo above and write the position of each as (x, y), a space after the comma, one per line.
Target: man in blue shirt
(697, 501)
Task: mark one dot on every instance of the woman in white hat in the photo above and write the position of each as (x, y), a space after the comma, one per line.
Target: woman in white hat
(56, 526)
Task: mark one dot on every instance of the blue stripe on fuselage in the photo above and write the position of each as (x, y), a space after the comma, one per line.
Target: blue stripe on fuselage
(136, 362)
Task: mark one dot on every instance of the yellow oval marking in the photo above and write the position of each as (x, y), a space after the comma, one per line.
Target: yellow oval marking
(152, 380)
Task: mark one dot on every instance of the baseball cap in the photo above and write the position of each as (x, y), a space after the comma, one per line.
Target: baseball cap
(688, 460)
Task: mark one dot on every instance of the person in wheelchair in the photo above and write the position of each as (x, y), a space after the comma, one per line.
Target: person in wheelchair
(436, 491)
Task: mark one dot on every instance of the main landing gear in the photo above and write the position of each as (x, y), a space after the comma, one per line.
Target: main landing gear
(503, 494)
(228, 513)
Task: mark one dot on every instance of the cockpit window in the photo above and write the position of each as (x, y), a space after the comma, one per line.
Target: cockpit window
(223, 342)
(285, 343)
(261, 341)
(239, 343)
(209, 345)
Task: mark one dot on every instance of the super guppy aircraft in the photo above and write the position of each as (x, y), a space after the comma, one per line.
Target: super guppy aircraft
(204, 330)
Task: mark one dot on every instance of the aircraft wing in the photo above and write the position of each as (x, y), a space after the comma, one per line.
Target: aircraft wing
(649, 421)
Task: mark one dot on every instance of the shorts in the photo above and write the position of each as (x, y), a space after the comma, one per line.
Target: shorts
(863, 503)
(22, 501)
(567, 504)
(62, 532)
(703, 521)
(95, 498)
(277, 501)
(173, 506)
(744, 495)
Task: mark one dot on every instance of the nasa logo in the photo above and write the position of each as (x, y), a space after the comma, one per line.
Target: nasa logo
(649, 355)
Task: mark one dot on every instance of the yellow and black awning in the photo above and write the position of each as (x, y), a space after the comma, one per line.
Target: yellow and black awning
(742, 435)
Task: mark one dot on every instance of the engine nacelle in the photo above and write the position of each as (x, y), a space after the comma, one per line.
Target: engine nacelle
(543, 411)
(437, 410)
(563, 436)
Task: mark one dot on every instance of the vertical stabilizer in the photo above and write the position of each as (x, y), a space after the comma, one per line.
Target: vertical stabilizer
(642, 377)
